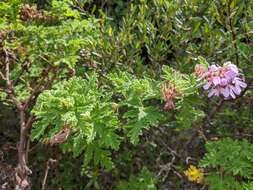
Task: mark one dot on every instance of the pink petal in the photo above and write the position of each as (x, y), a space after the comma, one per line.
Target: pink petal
(207, 86)
(225, 92)
(205, 75)
(233, 68)
(232, 93)
(230, 74)
(213, 68)
(241, 84)
(216, 81)
(236, 89)
(223, 82)
(211, 92)
(218, 91)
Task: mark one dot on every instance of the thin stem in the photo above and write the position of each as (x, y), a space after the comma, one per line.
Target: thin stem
(45, 177)
(2, 76)
(50, 163)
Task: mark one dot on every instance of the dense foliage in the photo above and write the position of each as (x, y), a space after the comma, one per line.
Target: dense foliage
(126, 95)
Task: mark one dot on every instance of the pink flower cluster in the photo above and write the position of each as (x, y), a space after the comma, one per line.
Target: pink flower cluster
(225, 81)
(169, 92)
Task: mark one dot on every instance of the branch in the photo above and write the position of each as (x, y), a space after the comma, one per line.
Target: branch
(30, 121)
(2, 76)
(45, 177)
(51, 162)
(7, 68)
(41, 86)
(9, 88)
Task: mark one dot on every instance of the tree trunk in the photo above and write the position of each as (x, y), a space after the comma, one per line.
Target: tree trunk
(23, 171)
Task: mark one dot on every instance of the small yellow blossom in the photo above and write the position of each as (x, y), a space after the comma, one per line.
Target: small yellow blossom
(110, 31)
(194, 174)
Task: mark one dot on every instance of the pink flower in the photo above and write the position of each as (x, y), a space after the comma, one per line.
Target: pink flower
(199, 70)
(169, 92)
(225, 81)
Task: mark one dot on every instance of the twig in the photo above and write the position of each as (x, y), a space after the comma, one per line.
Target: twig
(166, 168)
(10, 89)
(2, 76)
(45, 177)
(7, 68)
(42, 86)
(49, 165)
(173, 152)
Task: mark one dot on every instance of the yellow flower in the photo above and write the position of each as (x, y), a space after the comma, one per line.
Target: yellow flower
(110, 31)
(194, 174)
